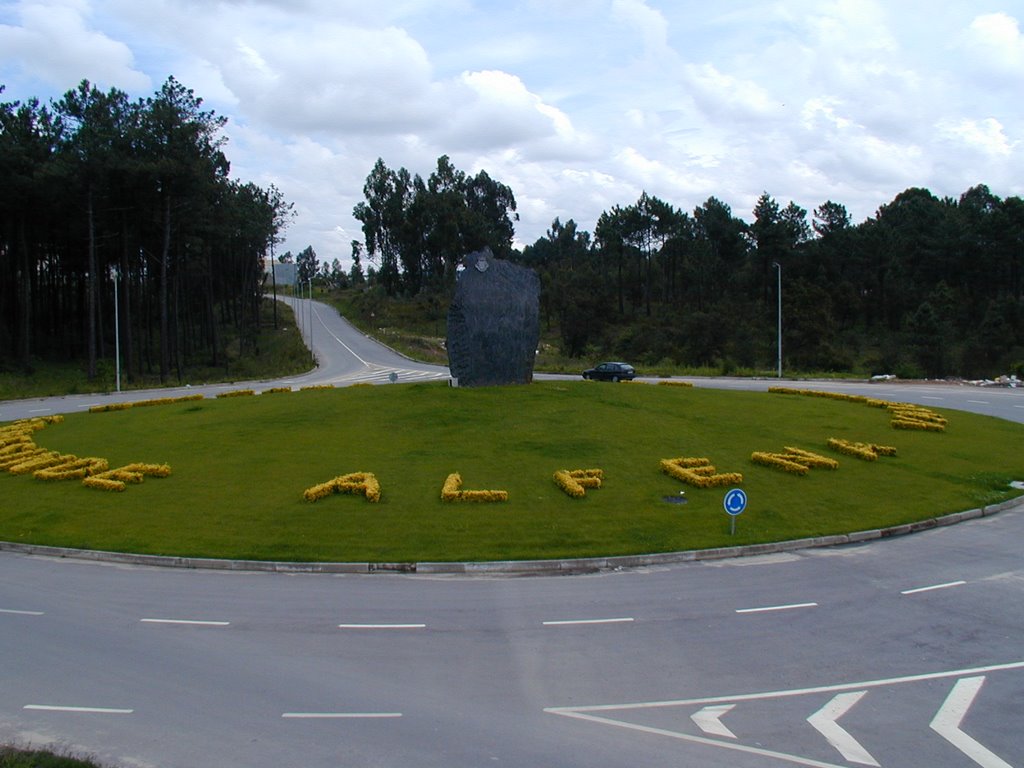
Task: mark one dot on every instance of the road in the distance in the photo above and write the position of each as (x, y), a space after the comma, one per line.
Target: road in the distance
(345, 356)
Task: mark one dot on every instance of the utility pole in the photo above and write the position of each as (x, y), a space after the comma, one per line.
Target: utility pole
(778, 291)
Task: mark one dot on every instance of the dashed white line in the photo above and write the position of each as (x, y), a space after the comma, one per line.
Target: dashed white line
(80, 710)
(189, 622)
(20, 613)
(570, 622)
(382, 626)
(979, 402)
(90, 405)
(947, 585)
(340, 715)
(930, 397)
(768, 608)
(39, 410)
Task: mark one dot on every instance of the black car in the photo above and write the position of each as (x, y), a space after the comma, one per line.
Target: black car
(611, 372)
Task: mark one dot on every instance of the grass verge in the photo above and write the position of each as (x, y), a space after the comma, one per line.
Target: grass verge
(37, 758)
(240, 466)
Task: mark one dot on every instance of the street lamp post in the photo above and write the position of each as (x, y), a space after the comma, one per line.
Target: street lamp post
(311, 353)
(778, 268)
(117, 333)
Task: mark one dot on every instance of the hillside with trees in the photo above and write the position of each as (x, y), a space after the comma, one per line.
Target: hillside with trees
(98, 188)
(926, 287)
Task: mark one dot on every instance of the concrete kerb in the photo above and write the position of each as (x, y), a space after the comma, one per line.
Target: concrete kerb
(513, 567)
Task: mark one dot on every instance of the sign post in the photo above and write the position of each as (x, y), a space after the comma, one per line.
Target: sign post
(735, 502)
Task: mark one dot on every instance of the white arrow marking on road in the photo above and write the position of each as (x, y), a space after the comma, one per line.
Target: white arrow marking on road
(824, 721)
(947, 721)
(709, 720)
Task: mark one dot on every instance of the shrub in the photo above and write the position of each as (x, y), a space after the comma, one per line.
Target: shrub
(795, 461)
(73, 470)
(364, 483)
(698, 472)
(110, 407)
(237, 393)
(576, 481)
(908, 416)
(167, 400)
(118, 479)
(452, 491)
(865, 451)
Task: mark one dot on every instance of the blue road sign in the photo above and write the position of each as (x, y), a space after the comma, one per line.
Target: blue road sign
(735, 501)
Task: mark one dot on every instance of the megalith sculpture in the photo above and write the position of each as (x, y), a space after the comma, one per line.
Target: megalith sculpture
(493, 322)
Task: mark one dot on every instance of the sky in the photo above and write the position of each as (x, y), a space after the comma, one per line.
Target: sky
(576, 105)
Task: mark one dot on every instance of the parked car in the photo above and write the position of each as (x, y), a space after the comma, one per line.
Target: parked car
(611, 372)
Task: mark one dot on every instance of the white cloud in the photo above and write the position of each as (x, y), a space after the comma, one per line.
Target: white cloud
(994, 43)
(490, 110)
(650, 23)
(55, 43)
(723, 96)
(577, 105)
(986, 136)
(337, 78)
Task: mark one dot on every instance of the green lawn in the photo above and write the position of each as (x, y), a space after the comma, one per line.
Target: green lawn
(240, 466)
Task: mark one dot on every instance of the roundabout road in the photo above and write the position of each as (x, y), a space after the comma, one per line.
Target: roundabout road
(903, 652)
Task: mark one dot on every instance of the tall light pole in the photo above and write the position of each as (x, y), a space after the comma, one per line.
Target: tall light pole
(117, 333)
(311, 353)
(778, 292)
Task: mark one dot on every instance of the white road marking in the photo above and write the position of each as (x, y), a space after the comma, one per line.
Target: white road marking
(90, 405)
(793, 692)
(944, 722)
(21, 613)
(979, 402)
(81, 710)
(947, 585)
(334, 336)
(574, 713)
(39, 410)
(947, 721)
(929, 397)
(569, 622)
(825, 722)
(190, 622)
(768, 608)
(382, 626)
(709, 720)
(339, 715)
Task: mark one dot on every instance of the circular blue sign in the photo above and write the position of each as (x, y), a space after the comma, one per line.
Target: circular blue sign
(735, 501)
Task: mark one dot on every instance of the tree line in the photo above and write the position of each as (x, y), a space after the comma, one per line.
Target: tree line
(100, 189)
(927, 286)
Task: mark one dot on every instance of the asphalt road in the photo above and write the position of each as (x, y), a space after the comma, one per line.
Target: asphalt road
(904, 652)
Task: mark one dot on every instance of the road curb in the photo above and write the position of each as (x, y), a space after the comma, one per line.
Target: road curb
(513, 567)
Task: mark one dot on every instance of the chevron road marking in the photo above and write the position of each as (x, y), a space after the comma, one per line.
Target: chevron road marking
(379, 373)
(709, 720)
(947, 723)
(824, 721)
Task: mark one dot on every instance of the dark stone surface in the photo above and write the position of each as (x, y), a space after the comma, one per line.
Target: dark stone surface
(493, 322)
